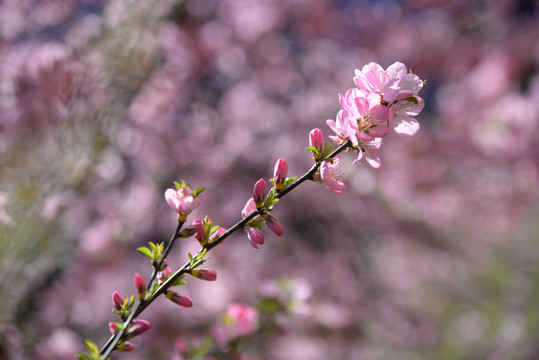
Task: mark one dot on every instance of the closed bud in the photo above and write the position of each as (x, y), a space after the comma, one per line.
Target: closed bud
(255, 236)
(125, 346)
(279, 173)
(117, 300)
(273, 224)
(316, 139)
(137, 327)
(259, 192)
(178, 299)
(200, 232)
(140, 286)
(208, 275)
(113, 328)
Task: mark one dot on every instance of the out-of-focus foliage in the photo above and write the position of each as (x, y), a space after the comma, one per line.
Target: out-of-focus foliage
(104, 103)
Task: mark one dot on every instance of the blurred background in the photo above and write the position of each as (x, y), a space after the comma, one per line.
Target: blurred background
(104, 103)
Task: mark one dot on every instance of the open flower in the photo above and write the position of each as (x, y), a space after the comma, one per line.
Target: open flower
(391, 84)
(331, 177)
(182, 201)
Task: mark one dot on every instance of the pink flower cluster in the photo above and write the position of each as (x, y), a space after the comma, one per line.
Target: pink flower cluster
(383, 99)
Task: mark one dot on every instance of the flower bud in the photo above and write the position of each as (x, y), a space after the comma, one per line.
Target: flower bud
(113, 328)
(273, 224)
(178, 299)
(208, 275)
(137, 327)
(140, 286)
(125, 346)
(248, 208)
(259, 192)
(279, 173)
(117, 301)
(200, 232)
(162, 276)
(255, 236)
(316, 139)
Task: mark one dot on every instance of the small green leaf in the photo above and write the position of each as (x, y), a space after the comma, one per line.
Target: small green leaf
(82, 356)
(289, 180)
(190, 257)
(93, 350)
(178, 282)
(198, 191)
(146, 251)
(178, 185)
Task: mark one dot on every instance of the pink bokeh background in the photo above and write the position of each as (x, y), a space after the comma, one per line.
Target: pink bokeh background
(103, 104)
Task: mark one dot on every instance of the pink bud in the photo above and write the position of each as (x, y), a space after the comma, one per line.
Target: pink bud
(113, 328)
(182, 201)
(256, 237)
(259, 192)
(140, 286)
(125, 346)
(214, 235)
(248, 208)
(117, 301)
(273, 224)
(316, 139)
(137, 327)
(163, 275)
(178, 299)
(279, 173)
(208, 275)
(200, 232)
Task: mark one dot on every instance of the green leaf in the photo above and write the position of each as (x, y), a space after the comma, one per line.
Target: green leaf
(198, 191)
(179, 282)
(178, 185)
(190, 257)
(82, 356)
(289, 180)
(153, 247)
(92, 348)
(146, 252)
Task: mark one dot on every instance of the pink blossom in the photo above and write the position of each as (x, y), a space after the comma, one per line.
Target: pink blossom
(370, 149)
(244, 319)
(138, 327)
(330, 176)
(280, 171)
(342, 128)
(140, 286)
(367, 119)
(259, 192)
(163, 275)
(117, 300)
(388, 83)
(178, 299)
(255, 236)
(182, 201)
(401, 116)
